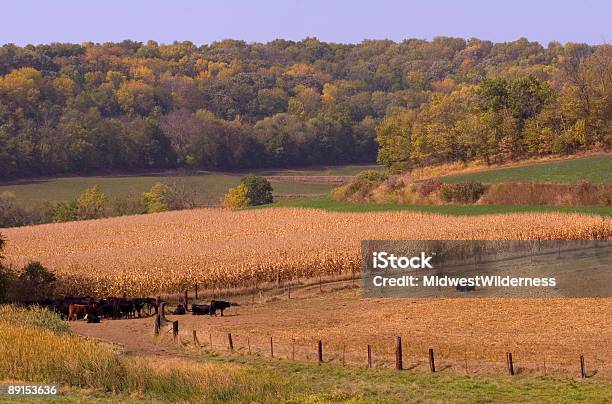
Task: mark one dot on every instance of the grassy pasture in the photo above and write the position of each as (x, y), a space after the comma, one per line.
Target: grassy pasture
(596, 169)
(210, 185)
(326, 203)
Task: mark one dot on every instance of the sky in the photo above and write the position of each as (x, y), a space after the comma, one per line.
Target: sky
(33, 22)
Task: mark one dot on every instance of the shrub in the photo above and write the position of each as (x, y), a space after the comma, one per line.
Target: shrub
(361, 188)
(372, 175)
(259, 190)
(356, 190)
(467, 192)
(42, 212)
(175, 196)
(34, 317)
(6, 283)
(36, 282)
(132, 204)
(339, 193)
(91, 204)
(182, 195)
(580, 193)
(65, 212)
(237, 197)
(11, 214)
(156, 200)
(429, 186)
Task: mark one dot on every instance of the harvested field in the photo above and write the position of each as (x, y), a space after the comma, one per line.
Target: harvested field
(546, 336)
(150, 254)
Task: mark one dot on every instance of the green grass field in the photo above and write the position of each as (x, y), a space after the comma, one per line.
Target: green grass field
(326, 203)
(313, 383)
(595, 169)
(282, 380)
(211, 186)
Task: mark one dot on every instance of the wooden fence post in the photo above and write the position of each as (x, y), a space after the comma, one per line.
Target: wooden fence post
(249, 344)
(175, 329)
(510, 363)
(292, 349)
(320, 351)
(186, 299)
(157, 324)
(271, 348)
(320, 285)
(432, 362)
(195, 339)
(230, 342)
(196, 291)
(369, 356)
(582, 368)
(343, 353)
(289, 291)
(398, 353)
(210, 339)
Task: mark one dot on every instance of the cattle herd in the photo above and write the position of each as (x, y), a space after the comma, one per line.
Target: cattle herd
(93, 310)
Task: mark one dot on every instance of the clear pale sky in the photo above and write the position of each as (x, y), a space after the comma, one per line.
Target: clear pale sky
(27, 21)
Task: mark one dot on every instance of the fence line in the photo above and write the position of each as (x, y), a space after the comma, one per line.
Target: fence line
(317, 351)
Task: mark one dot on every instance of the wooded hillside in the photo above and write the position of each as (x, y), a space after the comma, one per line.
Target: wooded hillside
(68, 108)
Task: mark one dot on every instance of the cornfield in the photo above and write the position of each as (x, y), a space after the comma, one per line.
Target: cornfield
(166, 252)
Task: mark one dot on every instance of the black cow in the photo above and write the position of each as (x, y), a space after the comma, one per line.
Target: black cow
(219, 305)
(199, 309)
(126, 308)
(151, 303)
(108, 308)
(92, 318)
(180, 310)
(139, 304)
(466, 288)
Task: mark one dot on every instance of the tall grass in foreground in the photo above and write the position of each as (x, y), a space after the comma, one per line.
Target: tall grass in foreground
(36, 346)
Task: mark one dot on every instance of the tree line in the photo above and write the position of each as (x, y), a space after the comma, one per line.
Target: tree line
(126, 106)
(94, 204)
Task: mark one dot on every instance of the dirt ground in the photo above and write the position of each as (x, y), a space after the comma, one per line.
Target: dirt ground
(545, 336)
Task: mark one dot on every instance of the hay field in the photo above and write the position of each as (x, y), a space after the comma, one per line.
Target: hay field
(157, 253)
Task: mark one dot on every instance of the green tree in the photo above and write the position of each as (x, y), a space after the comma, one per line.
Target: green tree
(37, 281)
(259, 190)
(157, 199)
(65, 212)
(91, 204)
(394, 137)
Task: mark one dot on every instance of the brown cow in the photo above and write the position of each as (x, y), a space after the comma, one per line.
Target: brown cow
(79, 310)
